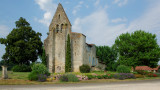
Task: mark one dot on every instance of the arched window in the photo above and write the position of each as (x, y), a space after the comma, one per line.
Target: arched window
(57, 28)
(62, 27)
(59, 16)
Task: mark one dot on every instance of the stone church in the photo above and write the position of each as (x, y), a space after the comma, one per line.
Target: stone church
(56, 42)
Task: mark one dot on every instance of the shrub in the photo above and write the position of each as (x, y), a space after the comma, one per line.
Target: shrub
(123, 76)
(123, 69)
(90, 77)
(33, 76)
(40, 69)
(21, 68)
(108, 76)
(99, 77)
(142, 72)
(81, 77)
(63, 78)
(42, 77)
(84, 68)
(152, 75)
(139, 76)
(72, 78)
(37, 71)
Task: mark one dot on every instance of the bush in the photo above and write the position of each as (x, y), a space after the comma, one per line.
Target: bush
(42, 77)
(99, 77)
(72, 78)
(63, 78)
(142, 72)
(139, 76)
(33, 76)
(152, 75)
(123, 76)
(123, 69)
(68, 78)
(38, 71)
(21, 68)
(84, 68)
(108, 76)
(90, 77)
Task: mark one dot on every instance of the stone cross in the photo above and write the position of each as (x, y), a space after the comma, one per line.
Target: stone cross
(4, 72)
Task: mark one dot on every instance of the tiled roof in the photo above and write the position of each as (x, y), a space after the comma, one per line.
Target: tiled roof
(146, 68)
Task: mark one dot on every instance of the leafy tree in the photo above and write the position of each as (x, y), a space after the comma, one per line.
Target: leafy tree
(108, 55)
(68, 56)
(43, 57)
(22, 44)
(138, 48)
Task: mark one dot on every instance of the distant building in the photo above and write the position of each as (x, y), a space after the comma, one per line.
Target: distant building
(146, 68)
(55, 45)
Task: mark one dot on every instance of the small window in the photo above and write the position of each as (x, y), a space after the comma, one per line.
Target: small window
(59, 16)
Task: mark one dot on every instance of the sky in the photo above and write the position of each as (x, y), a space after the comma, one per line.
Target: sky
(100, 20)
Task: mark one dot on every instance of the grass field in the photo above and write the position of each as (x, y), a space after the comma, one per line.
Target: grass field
(17, 75)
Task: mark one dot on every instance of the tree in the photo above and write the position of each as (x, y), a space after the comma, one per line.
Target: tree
(108, 55)
(138, 48)
(68, 56)
(23, 45)
(43, 57)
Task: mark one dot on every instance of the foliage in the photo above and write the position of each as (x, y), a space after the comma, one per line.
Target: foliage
(43, 57)
(108, 76)
(6, 63)
(152, 75)
(22, 44)
(82, 77)
(33, 76)
(139, 76)
(68, 56)
(139, 48)
(108, 55)
(99, 77)
(123, 69)
(72, 78)
(38, 69)
(21, 68)
(42, 77)
(84, 68)
(123, 76)
(63, 78)
(142, 72)
(91, 77)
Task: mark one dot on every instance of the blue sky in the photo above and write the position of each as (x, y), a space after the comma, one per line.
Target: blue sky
(100, 20)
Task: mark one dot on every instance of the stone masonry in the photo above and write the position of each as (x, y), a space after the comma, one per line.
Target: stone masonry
(55, 45)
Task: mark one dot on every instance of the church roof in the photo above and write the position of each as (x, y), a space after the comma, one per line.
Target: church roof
(60, 9)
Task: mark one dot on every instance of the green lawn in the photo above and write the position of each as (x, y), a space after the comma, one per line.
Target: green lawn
(17, 75)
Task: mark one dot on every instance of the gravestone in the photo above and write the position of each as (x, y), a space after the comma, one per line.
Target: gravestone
(4, 72)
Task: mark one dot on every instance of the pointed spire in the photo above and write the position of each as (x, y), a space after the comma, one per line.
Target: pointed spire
(60, 12)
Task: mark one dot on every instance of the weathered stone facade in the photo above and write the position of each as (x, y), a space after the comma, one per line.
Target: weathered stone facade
(55, 45)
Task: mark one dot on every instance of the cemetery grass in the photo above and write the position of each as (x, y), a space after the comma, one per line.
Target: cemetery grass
(21, 78)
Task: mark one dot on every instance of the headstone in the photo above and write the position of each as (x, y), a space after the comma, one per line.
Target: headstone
(4, 72)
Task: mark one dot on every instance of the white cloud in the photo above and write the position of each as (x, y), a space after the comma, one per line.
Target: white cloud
(120, 2)
(49, 7)
(97, 3)
(76, 8)
(98, 29)
(4, 31)
(117, 20)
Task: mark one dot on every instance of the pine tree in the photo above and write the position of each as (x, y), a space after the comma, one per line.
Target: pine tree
(68, 56)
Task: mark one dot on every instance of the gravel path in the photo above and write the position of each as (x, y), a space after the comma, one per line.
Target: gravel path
(127, 85)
